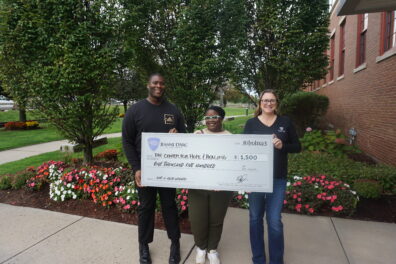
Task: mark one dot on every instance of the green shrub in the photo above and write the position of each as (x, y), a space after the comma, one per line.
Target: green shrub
(20, 180)
(332, 142)
(367, 188)
(342, 168)
(305, 109)
(5, 183)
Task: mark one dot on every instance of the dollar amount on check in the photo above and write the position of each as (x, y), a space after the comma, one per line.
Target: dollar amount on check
(211, 162)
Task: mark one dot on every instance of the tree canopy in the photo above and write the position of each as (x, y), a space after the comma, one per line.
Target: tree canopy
(191, 42)
(69, 51)
(285, 44)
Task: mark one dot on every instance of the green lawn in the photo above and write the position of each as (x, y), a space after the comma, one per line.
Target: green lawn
(15, 139)
(236, 111)
(13, 115)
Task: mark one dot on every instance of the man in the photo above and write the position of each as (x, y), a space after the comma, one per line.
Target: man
(153, 114)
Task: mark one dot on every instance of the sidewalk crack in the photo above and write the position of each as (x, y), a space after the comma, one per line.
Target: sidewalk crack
(339, 239)
(189, 254)
(45, 238)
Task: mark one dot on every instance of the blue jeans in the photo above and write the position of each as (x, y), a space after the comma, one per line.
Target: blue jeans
(272, 203)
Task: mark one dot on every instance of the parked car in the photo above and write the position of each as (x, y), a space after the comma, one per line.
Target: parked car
(6, 104)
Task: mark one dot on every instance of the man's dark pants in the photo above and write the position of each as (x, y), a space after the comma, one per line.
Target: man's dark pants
(146, 212)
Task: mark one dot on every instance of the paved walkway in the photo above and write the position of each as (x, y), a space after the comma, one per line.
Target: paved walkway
(35, 236)
(33, 150)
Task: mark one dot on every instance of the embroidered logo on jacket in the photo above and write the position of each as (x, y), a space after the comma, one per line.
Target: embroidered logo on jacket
(281, 130)
(169, 119)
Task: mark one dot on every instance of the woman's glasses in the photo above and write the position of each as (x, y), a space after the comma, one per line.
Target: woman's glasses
(268, 101)
(211, 117)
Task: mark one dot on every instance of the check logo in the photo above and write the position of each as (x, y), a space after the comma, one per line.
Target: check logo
(153, 143)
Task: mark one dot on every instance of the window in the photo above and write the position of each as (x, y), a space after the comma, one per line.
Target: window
(361, 39)
(388, 31)
(342, 49)
(331, 69)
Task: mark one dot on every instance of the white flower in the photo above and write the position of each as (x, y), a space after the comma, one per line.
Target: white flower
(346, 185)
(74, 196)
(68, 185)
(353, 192)
(69, 191)
(296, 178)
(288, 184)
(116, 193)
(62, 198)
(128, 197)
(129, 191)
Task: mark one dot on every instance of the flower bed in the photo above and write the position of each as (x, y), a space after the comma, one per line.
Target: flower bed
(21, 125)
(115, 187)
(320, 194)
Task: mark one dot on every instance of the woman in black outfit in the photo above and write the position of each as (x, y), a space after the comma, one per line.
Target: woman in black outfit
(268, 122)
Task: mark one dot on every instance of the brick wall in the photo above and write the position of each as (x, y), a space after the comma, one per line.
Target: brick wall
(364, 100)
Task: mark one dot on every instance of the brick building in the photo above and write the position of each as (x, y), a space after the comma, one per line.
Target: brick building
(361, 81)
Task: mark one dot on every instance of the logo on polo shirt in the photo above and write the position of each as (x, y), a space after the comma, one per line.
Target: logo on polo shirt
(169, 119)
(281, 130)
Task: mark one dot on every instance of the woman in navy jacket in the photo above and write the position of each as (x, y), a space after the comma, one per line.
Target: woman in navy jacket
(285, 140)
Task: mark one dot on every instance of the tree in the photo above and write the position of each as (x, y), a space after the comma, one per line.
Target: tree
(285, 44)
(191, 42)
(74, 48)
(128, 86)
(12, 61)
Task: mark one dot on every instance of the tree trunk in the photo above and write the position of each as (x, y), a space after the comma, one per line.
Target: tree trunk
(125, 103)
(22, 114)
(88, 157)
(190, 124)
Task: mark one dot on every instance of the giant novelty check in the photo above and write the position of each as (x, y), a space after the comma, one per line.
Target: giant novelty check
(211, 162)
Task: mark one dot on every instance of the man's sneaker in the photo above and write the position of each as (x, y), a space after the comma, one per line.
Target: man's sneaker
(200, 258)
(213, 257)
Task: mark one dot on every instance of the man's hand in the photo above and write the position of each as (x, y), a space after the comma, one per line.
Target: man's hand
(138, 178)
(173, 130)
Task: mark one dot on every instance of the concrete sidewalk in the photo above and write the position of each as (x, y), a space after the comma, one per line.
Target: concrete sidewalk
(33, 150)
(35, 236)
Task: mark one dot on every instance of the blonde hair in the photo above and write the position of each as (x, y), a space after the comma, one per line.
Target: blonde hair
(258, 109)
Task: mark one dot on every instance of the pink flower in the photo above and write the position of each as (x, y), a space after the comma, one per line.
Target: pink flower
(182, 202)
(299, 199)
(184, 208)
(330, 187)
(284, 201)
(239, 197)
(308, 129)
(294, 196)
(185, 198)
(307, 206)
(126, 207)
(319, 196)
(179, 196)
(323, 177)
(134, 202)
(311, 210)
(32, 184)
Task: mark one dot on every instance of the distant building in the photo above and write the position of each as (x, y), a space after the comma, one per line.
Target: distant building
(361, 81)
